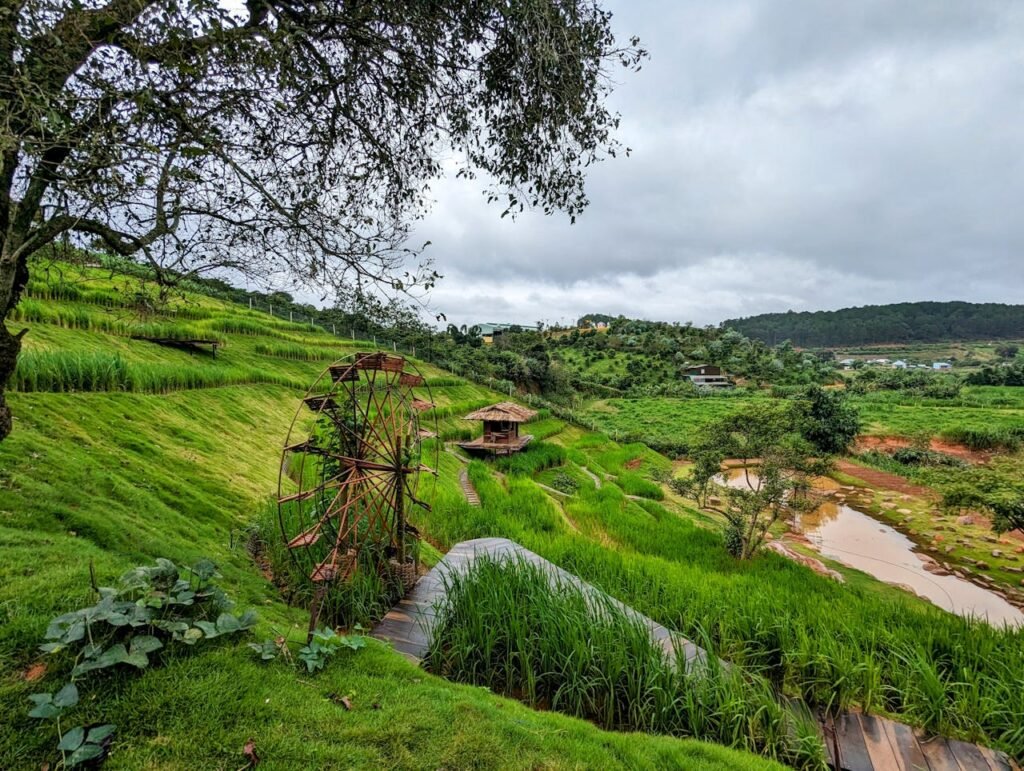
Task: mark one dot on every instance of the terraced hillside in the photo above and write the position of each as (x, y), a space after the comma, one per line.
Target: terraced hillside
(125, 451)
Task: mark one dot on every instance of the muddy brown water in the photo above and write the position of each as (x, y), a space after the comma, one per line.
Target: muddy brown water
(855, 538)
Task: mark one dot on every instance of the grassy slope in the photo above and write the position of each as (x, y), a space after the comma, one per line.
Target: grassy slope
(115, 479)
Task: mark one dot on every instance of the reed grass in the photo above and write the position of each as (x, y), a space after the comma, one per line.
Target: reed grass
(537, 456)
(296, 352)
(65, 371)
(511, 627)
(76, 317)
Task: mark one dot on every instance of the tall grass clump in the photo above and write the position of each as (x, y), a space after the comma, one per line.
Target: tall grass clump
(172, 331)
(517, 630)
(66, 371)
(988, 438)
(537, 456)
(445, 382)
(634, 484)
(236, 325)
(296, 352)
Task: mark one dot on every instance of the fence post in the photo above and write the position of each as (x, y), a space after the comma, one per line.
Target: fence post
(375, 341)
(291, 316)
(250, 303)
(271, 309)
(353, 334)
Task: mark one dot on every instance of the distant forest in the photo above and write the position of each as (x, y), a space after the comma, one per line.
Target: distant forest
(922, 322)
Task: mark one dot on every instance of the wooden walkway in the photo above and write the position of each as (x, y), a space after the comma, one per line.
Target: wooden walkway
(862, 742)
(467, 488)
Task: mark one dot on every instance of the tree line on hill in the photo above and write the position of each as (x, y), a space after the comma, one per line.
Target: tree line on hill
(918, 322)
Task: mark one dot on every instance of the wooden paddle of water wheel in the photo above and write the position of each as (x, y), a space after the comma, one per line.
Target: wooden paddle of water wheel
(350, 471)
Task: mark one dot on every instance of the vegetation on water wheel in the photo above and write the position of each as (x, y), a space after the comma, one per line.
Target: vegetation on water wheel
(347, 484)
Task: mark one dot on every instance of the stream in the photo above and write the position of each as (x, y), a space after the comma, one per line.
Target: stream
(855, 538)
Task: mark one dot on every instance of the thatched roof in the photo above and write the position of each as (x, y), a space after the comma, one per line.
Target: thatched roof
(506, 411)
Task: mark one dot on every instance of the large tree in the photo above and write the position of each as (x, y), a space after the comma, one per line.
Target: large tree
(281, 136)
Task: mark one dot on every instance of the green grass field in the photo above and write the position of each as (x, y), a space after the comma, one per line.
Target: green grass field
(103, 478)
(668, 423)
(110, 476)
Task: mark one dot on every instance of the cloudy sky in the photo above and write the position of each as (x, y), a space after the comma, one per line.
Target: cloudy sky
(797, 154)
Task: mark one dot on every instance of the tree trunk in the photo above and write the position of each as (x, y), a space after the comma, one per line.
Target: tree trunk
(10, 346)
(13, 277)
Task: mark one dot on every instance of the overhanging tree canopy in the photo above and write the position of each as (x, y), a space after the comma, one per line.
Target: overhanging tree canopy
(286, 136)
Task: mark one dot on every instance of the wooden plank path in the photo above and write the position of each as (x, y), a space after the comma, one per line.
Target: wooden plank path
(467, 488)
(863, 742)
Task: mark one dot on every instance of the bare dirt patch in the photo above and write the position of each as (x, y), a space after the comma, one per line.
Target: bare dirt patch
(882, 479)
(889, 443)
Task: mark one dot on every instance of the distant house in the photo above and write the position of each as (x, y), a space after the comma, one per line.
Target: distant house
(847, 363)
(708, 376)
(490, 330)
(880, 362)
(942, 365)
(602, 325)
(899, 364)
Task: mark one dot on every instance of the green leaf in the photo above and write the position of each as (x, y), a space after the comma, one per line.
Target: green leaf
(51, 647)
(355, 642)
(145, 643)
(137, 659)
(205, 570)
(208, 628)
(74, 633)
(100, 732)
(115, 654)
(192, 636)
(66, 696)
(248, 619)
(171, 626)
(226, 624)
(72, 740)
(84, 753)
(44, 709)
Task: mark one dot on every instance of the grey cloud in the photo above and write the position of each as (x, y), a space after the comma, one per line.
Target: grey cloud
(786, 155)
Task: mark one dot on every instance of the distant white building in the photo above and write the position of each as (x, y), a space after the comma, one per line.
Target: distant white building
(899, 364)
(942, 365)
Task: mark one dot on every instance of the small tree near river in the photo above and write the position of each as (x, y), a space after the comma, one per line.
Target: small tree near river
(776, 464)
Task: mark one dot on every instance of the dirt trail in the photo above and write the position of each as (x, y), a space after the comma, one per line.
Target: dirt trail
(882, 479)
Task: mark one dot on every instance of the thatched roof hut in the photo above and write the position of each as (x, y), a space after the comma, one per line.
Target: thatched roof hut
(508, 412)
(501, 428)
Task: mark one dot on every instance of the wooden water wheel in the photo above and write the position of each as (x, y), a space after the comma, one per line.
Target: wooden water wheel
(350, 472)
